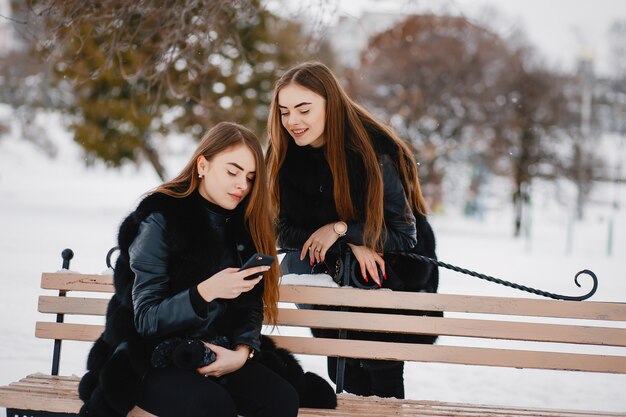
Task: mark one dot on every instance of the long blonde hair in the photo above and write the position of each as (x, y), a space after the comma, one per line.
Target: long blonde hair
(348, 126)
(257, 216)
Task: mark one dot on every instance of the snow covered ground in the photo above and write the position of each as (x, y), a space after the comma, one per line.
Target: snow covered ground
(48, 205)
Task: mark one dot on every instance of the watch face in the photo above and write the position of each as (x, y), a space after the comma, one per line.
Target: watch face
(340, 228)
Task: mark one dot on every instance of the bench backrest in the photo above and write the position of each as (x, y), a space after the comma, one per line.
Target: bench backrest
(565, 335)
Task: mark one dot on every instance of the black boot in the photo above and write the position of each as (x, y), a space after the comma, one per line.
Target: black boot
(355, 380)
(386, 378)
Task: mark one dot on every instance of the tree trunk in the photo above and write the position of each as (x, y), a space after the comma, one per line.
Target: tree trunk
(473, 204)
(153, 157)
(518, 207)
(432, 187)
(520, 199)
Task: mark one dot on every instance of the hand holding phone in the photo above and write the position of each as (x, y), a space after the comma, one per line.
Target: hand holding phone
(258, 259)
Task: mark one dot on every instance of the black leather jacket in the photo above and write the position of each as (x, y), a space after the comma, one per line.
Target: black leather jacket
(176, 244)
(163, 308)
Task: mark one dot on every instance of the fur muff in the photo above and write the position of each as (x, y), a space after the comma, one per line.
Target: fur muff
(120, 356)
(313, 390)
(98, 406)
(119, 382)
(96, 360)
(317, 392)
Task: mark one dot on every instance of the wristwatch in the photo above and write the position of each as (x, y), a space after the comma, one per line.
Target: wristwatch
(341, 228)
(251, 351)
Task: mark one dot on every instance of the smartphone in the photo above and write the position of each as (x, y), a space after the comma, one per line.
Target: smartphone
(257, 259)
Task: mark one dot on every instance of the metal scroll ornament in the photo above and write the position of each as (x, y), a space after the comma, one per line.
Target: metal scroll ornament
(514, 285)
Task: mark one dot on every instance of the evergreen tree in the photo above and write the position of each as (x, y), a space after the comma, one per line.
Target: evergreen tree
(138, 70)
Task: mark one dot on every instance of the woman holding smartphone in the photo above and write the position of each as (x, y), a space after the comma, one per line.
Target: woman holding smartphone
(178, 276)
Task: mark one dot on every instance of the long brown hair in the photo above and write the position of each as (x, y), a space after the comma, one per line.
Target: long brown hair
(257, 217)
(348, 126)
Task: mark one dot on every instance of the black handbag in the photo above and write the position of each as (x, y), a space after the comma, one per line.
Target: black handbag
(334, 265)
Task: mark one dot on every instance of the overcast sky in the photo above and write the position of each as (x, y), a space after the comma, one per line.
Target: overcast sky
(560, 29)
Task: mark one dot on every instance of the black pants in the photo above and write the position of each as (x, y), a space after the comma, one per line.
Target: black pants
(253, 390)
(371, 377)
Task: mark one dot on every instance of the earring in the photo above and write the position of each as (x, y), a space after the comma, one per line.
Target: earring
(199, 175)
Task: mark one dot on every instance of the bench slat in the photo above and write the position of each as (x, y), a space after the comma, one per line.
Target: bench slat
(41, 392)
(540, 332)
(396, 351)
(72, 305)
(59, 394)
(28, 388)
(67, 281)
(68, 331)
(389, 406)
(53, 379)
(39, 385)
(592, 310)
(453, 354)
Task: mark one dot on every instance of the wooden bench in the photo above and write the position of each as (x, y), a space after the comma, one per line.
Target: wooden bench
(53, 395)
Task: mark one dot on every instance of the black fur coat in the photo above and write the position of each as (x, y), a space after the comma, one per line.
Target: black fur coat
(120, 356)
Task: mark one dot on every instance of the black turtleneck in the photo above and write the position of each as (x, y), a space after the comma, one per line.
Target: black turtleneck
(217, 212)
(219, 219)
